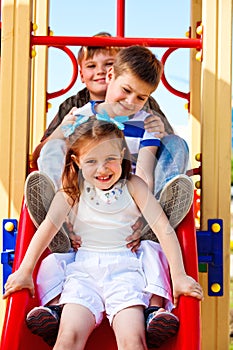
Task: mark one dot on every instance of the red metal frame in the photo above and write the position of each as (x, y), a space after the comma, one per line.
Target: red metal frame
(74, 75)
(173, 44)
(120, 40)
(174, 91)
(115, 41)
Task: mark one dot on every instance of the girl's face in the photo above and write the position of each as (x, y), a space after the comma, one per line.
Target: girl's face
(93, 74)
(100, 162)
(126, 94)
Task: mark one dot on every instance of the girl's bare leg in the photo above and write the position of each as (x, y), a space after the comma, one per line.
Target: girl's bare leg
(129, 328)
(77, 323)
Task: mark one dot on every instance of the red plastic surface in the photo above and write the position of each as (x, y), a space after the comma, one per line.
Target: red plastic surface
(16, 336)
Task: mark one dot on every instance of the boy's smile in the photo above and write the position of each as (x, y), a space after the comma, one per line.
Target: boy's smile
(93, 73)
(127, 93)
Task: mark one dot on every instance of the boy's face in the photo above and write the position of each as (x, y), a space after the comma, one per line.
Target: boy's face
(93, 73)
(127, 93)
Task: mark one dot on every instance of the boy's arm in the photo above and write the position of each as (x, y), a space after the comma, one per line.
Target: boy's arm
(78, 100)
(146, 164)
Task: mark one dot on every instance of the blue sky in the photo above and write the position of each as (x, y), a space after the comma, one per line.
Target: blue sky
(148, 18)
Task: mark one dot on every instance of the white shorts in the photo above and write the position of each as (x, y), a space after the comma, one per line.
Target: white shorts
(156, 270)
(51, 275)
(105, 282)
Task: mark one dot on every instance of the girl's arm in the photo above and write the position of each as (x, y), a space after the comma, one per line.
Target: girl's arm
(156, 218)
(22, 278)
(146, 164)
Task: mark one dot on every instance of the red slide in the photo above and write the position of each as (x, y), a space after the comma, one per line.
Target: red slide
(16, 336)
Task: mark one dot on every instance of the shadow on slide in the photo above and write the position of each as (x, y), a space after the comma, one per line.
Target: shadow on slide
(16, 336)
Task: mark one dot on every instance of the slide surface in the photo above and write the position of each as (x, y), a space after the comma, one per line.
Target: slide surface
(16, 336)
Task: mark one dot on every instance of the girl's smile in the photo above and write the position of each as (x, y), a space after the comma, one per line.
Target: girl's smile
(100, 162)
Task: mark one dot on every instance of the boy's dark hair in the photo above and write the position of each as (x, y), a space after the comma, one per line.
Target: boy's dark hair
(86, 52)
(141, 62)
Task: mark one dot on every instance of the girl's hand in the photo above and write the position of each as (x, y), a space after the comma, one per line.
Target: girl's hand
(69, 119)
(154, 124)
(186, 285)
(18, 281)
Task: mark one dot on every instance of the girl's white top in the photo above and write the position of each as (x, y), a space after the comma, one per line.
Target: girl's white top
(104, 218)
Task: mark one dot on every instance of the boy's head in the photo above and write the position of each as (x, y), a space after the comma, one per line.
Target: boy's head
(87, 52)
(140, 62)
(94, 62)
(135, 74)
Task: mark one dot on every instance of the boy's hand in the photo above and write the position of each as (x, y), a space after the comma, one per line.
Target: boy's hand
(74, 238)
(154, 124)
(186, 285)
(75, 241)
(18, 281)
(134, 239)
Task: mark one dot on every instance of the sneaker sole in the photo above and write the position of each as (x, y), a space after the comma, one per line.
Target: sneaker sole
(176, 199)
(161, 328)
(39, 193)
(44, 324)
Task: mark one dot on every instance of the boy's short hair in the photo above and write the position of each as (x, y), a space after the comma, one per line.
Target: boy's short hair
(86, 52)
(141, 62)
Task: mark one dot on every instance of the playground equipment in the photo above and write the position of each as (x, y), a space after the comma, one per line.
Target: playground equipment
(210, 110)
(102, 338)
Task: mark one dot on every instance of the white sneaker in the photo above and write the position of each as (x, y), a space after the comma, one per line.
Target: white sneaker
(39, 192)
(176, 198)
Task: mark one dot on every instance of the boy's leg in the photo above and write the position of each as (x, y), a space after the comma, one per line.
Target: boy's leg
(39, 193)
(172, 187)
(176, 198)
(129, 328)
(77, 323)
(172, 159)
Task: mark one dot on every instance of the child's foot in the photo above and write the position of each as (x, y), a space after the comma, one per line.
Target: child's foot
(176, 198)
(161, 325)
(39, 193)
(44, 321)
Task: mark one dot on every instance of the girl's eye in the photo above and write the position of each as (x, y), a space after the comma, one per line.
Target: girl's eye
(110, 159)
(91, 161)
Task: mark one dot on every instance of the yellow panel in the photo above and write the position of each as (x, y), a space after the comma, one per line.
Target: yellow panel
(216, 155)
(14, 101)
(39, 77)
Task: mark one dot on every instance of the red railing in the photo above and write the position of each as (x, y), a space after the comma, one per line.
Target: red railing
(171, 43)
